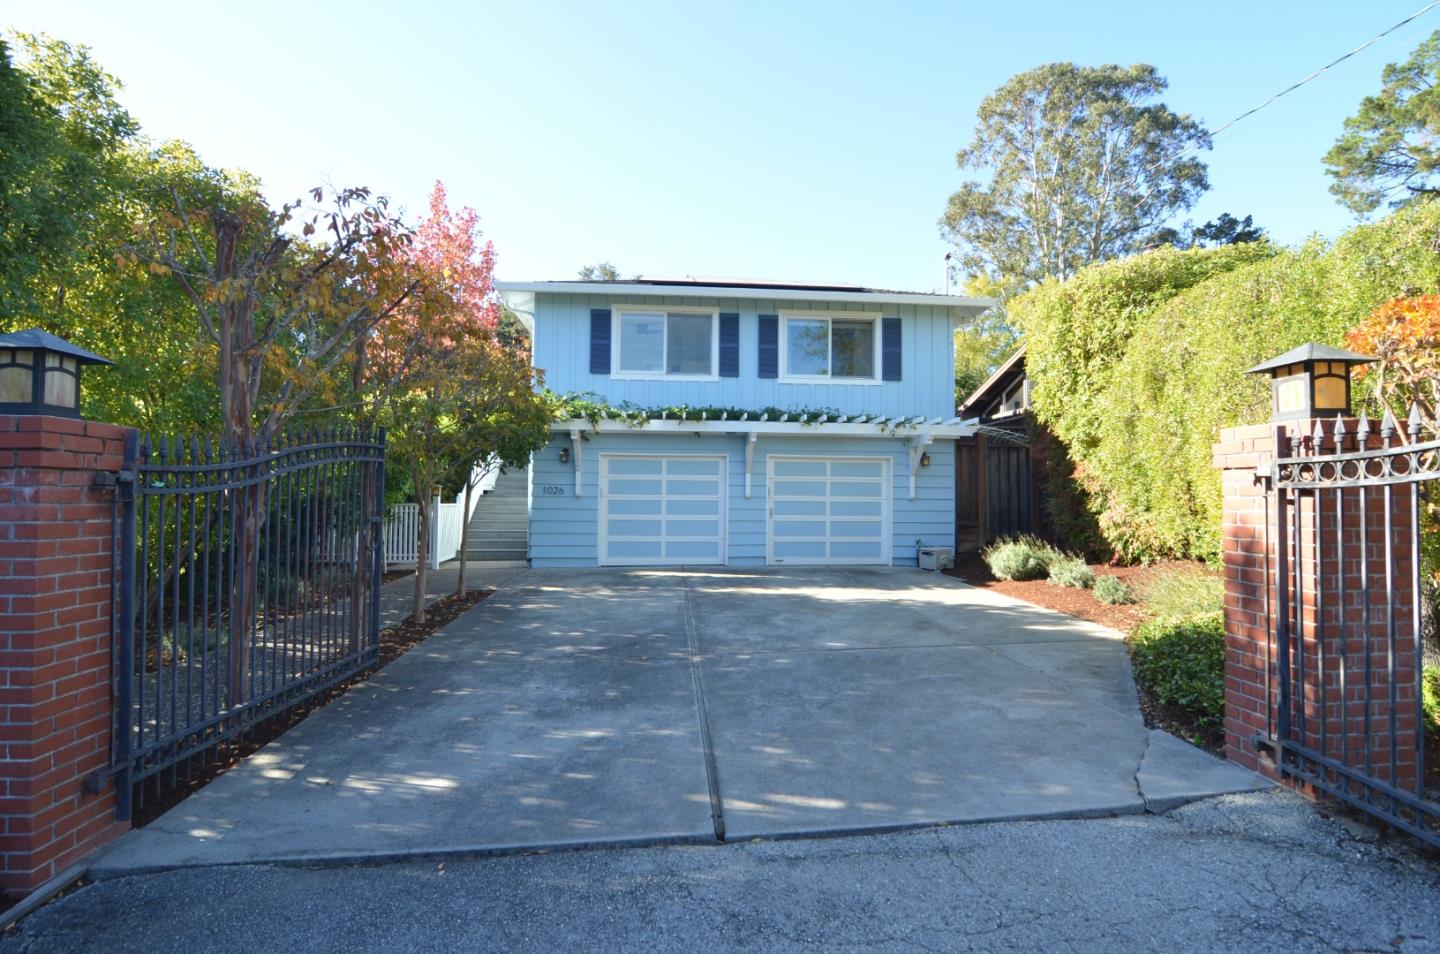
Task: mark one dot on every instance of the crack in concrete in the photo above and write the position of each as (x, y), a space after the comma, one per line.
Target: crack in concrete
(1139, 789)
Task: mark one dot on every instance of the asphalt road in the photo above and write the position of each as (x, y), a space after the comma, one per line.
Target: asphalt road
(1253, 873)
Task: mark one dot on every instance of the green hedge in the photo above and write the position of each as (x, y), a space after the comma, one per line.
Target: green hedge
(1181, 664)
(1137, 364)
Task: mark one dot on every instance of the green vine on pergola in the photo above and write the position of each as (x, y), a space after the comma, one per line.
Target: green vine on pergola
(594, 409)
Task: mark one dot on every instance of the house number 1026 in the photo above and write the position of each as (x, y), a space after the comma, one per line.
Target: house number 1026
(552, 490)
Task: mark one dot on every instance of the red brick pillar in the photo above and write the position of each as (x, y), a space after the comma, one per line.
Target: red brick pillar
(55, 636)
(1243, 455)
(1335, 583)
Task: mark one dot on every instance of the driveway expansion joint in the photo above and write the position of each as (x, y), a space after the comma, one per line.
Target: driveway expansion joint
(712, 769)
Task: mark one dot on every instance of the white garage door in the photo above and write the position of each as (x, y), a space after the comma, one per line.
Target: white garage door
(828, 510)
(661, 510)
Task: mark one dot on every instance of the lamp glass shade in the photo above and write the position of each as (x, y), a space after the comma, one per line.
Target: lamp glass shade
(15, 386)
(1329, 393)
(1290, 394)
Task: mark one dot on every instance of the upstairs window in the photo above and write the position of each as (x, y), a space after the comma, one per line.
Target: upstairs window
(665, 343)
(831, 347)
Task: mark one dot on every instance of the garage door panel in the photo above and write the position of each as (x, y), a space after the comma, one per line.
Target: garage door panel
(693, 528)
(800, 549)
(856, 508)
(638, 506)
(684, 496)
(635, 488)
(692, 508)
(857, 468)
(863, 529)
(620, 466)
(694, 551)
(633, 528)
(800, 528)
(692, 488)
(828, 510)
(799, 468)
(701, 467)
(799, 488)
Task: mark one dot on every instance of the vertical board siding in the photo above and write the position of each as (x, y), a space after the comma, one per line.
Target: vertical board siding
(563, 528)
(563, 350)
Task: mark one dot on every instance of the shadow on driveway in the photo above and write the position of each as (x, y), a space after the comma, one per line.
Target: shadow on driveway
(590, 707)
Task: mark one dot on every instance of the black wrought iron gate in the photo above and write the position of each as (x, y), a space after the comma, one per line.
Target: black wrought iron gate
(1349, 618)
(249, 581)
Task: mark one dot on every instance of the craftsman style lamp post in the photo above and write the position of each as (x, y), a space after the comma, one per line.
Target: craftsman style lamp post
(40, 374)
(1310, 381)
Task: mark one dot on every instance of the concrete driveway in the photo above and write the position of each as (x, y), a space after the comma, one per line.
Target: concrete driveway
(588, 707)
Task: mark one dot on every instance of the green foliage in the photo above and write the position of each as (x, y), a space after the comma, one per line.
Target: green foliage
(1389, 149)
(1182, 594)
(593, 408)
(600, 272)
(1072, 571)
(1112, 591)
(1136, 365)
(981, 346)
(1020, 558)
(1181, 663)
(1431, 695)
(1113, 165)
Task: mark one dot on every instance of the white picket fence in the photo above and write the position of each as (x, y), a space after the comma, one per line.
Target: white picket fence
(402, 523)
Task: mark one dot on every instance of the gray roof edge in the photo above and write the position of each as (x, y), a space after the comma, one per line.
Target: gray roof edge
(747, 292)
(40, 338)
(1311, 351)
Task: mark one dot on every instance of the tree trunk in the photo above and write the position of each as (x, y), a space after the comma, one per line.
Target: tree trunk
(422, 555)
(465, 531)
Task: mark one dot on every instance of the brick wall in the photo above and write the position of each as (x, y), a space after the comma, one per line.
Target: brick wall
(55, 643)
(1339, 621)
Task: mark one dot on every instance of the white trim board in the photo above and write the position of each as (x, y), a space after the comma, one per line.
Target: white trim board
(973, 305)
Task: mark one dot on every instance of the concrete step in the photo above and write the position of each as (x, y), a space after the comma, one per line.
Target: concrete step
(486, 555)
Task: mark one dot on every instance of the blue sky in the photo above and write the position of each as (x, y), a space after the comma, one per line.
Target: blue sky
(803, 141)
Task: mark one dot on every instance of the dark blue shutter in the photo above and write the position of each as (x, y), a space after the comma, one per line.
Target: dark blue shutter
(769, 346)
(599, 340)
(890, 349)
(729, 344)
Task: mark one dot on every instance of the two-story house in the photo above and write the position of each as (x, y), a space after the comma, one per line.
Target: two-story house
(866, 485)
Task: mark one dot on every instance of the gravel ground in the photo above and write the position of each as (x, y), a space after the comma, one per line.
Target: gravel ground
(1250, 873)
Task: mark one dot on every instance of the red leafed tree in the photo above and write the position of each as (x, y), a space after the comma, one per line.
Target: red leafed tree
(439, 379)
(1404, 336)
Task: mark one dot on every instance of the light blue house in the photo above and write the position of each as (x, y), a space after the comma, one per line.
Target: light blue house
(866, 486)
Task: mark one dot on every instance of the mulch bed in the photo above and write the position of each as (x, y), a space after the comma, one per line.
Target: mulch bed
(394, 643)
(1082, 604)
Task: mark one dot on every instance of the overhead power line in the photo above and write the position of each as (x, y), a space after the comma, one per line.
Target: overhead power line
(1333, 63)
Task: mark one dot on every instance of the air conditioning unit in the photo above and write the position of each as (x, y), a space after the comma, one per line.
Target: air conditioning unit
(937, 558)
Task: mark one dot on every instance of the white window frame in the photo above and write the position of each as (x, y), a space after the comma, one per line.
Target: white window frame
(602, 535)
(887, 512)
(827, 316)
(616, 343)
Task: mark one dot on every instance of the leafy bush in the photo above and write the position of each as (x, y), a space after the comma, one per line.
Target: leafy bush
(1183, 594)
(1021, 558)
(1181, 664)
(1113, 591)
(1070, 570)
(1431, 697)
(1137, 364)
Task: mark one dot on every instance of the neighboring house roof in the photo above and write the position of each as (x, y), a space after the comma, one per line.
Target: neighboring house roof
(736, 288)
(995, 385)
